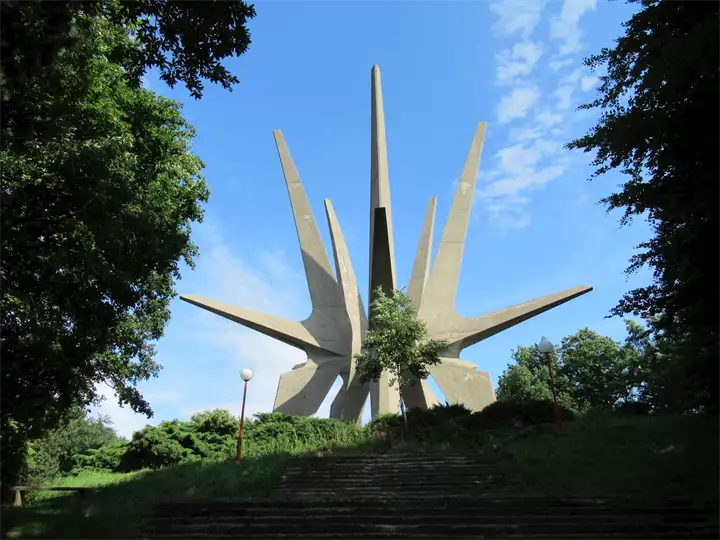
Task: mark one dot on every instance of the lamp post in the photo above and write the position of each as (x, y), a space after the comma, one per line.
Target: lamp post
(545, 348)
(246, 375)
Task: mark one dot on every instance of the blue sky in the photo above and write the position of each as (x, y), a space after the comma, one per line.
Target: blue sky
(536, 227)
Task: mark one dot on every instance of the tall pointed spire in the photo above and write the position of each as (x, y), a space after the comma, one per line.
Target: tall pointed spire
(322, 284)
(334, 331)
(379, 177)
(441, 288)
(421, 266)
(350, 401)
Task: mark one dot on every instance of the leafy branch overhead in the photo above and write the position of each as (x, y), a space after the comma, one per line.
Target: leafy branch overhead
(659, 88)
(186, 41)
(97, 209)
(397, 342)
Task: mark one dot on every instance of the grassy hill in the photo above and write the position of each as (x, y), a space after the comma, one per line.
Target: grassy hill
(650, 456)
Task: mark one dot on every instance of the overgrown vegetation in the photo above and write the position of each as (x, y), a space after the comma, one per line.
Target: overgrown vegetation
(597, 454)
(600, 373)
(100, 189)
(658, 83)
(396, 343)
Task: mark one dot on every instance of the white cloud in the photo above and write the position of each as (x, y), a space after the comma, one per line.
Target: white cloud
(517, 16)
(557, 65)
(565, 27)
(564, 95)
(518, 61)
(124, 420)
(532, 157)
(524, 134)
(517, 104)
(567, 86)
(519, 170)
(509, 213)
(588, 82)
(548, 119)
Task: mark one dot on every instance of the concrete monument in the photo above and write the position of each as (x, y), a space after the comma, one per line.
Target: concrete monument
(334, 331)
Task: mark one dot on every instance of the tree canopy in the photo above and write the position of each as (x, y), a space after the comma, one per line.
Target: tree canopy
(99, 192)
(185, 41)
(396, 342)
(660, 99)
(595, 372)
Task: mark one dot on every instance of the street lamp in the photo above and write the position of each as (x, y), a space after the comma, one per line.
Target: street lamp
(545, 348)
(246, 375)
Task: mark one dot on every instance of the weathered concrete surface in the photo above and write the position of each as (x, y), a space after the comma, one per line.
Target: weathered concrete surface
(350, 401)
(434, 497)
(420, 394)
(384, 397)
(336, 327)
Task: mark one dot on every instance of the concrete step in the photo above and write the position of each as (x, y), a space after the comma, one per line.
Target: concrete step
(523, 505)
(439, 497)
(584, 519)
(396, 476)
(523, 517)
(443, 529)
(392, 479)
(697, 534)
(415, 479)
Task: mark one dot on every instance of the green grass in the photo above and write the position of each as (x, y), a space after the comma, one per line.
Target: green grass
(673, 457)
(604, 456)
(119, 508)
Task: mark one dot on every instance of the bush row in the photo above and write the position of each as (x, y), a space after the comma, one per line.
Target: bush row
(212, 435)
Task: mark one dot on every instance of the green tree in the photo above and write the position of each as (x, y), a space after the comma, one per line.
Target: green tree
(660, 86)
(99, 191)
(528, 380)
(56, 453)
(185, 41)
(591, 372)
(597, 368)
(397, 343)
(660, 379)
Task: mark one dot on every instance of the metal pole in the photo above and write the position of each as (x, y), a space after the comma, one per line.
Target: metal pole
(238, 455)
(558, 416)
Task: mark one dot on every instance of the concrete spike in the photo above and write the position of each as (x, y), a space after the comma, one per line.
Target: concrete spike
(470, 331)
(421, 266)
(462, 383)
(350, 401)
(302, 390)
(383, 397)
(347, 281)
(441, 288)
(379, 177)
(419, 395)
(290, 332)
(321, 282)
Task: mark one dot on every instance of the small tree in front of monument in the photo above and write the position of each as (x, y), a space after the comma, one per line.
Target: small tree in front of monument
(397, 342)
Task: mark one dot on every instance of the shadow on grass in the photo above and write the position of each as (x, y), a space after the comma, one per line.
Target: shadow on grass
(598, 457)
(648, 456)
(120, 510)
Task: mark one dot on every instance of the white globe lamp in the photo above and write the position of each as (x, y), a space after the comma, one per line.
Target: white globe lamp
(545, 347)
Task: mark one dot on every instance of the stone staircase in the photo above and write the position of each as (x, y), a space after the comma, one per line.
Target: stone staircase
(420, 477)
(408, 496)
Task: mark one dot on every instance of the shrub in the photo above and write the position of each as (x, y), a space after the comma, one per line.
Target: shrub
(107, 457)
(56, 453)
(169, 443)
(218, 422)
(632, 408)
(278, 432)
(517, 413)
